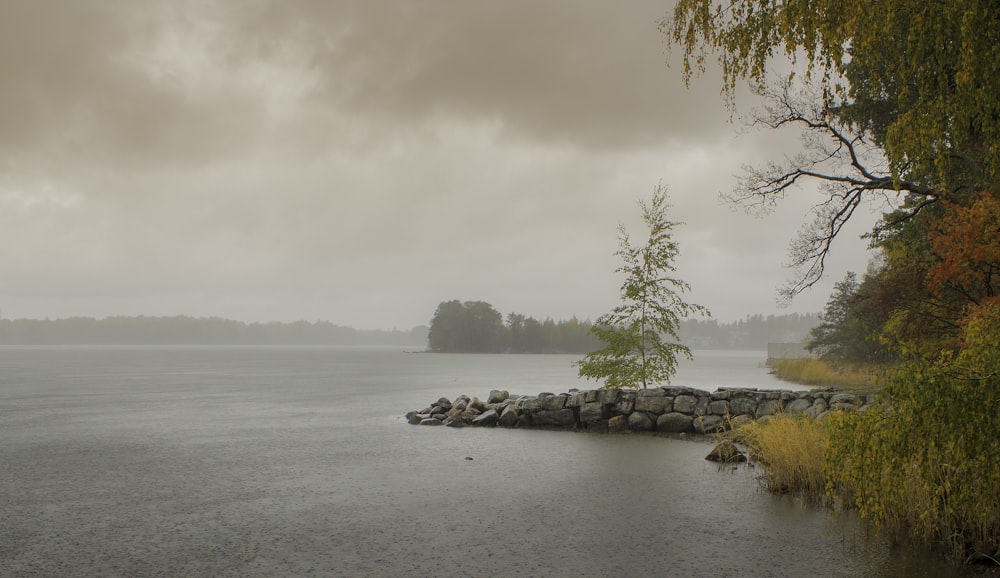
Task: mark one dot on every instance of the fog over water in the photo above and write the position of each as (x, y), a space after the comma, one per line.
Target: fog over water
(231, 461)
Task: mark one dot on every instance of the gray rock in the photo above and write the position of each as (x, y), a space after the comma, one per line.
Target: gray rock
(719, 407)
(727, 453)
(608, 396)
(590, 396)
(509, 417)
(415, 417)
(769, 408)
(552, 402)
(653, 403)
(574, 399)
(618, 423)
(625, 406)
(701, 408)
(455, 421)
(707, 424)
(498, 395)
(685, 403)
(557, 417)
(674, 422)
(798, 406)
(840, 406)
(488, 418)
(529, 403)
(640, 421)
(843, 398)
(591, 412)
(430, 421)
(743, 406)
(739, 421)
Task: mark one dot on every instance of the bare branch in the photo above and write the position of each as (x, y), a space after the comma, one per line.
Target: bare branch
(850, 166)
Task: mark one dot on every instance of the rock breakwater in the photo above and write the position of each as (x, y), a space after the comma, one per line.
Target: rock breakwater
(668, 409)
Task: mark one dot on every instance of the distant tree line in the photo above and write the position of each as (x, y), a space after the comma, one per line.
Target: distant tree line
(751, 333)
(182, 330)
(476, 327)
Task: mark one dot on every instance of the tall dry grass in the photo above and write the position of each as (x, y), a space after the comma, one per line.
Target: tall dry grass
(791, 449)
(819, 373)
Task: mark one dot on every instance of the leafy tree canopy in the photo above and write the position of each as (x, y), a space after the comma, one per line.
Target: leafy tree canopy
(922, 77)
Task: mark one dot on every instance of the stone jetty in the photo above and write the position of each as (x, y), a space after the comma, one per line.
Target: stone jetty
(669, 409)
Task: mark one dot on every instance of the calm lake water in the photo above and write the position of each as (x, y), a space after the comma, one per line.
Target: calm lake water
(297, 461)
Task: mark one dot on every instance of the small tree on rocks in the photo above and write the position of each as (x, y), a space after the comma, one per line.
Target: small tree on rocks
(641, 333)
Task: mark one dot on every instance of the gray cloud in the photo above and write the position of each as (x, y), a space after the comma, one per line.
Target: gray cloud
(359, 161)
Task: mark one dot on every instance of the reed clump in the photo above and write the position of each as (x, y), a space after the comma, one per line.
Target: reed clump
(792, 448)
(820, 373)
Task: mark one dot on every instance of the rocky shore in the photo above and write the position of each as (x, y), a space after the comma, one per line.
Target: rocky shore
(668, 409)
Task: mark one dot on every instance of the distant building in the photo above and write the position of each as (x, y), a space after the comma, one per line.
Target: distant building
(776, 351)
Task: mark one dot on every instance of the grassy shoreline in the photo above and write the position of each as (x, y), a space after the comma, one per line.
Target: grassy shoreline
(819, 373)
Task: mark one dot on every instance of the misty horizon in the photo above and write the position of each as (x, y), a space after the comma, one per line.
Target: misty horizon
(364, 161)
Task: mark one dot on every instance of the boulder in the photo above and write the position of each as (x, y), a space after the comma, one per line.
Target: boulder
(497, 396)
(719, 407)
(639, 421)
(769, 408)
(488, 418)
(552, 402)
(798, 406)
(739, 421)
(674, 422)
(591, 412)
(726, 452)
(415, 417)
(554, 417)
(843, 398)
(685, 403)
(743, 405)
(509, 417)
(574, 399)
(528, 404)
(625, 405)
(653, 401)
(707, 424)
(618, 423)
(455, 421)
(430, 421)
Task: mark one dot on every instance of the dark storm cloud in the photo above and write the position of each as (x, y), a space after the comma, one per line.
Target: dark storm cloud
(97, 79)
(358, 161)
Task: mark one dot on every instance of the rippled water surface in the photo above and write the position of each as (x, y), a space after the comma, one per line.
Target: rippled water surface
(297, 461)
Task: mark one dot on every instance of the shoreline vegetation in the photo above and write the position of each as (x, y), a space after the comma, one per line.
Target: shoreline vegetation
(853, 377)
(922, 464)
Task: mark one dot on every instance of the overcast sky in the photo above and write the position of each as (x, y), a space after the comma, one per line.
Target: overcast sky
(360, 162)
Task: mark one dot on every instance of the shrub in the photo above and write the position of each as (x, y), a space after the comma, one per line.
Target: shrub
(927, 463)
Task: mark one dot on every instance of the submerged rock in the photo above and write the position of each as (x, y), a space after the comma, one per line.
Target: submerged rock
(726, 452)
